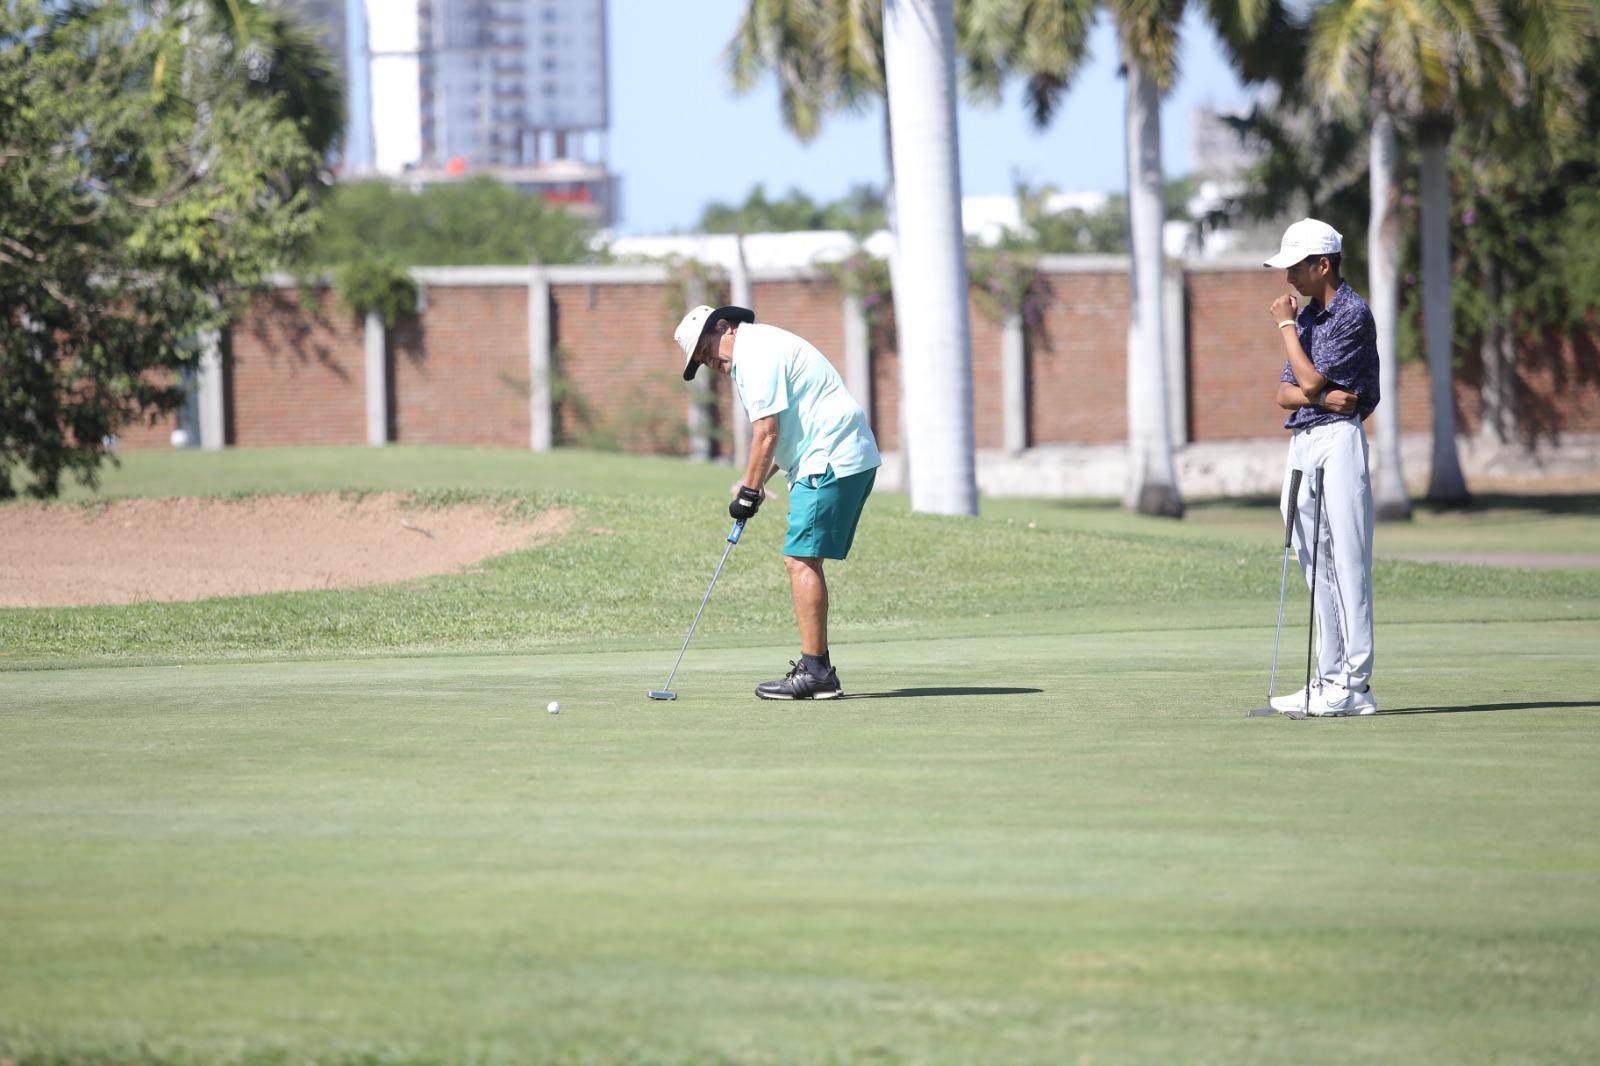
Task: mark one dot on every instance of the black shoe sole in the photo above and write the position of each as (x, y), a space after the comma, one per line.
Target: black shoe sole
(818, 696)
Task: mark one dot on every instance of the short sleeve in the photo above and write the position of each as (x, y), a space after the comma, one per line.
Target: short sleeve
(1346, 344)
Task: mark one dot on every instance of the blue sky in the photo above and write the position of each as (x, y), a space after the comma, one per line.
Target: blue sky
(671, 97)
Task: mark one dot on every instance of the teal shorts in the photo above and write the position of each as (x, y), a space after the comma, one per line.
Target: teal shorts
(823, 512)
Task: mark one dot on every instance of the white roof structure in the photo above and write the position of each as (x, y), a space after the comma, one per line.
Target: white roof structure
(762, 251)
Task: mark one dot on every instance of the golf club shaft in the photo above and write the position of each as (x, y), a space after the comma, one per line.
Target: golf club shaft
(733, 538)
(1283, 579)
(1283, 587)
(1316, 549)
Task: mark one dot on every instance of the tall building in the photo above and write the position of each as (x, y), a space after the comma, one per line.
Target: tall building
(511, 82)
(445, 89)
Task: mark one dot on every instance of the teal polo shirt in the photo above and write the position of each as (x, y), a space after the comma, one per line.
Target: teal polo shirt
(820, 425)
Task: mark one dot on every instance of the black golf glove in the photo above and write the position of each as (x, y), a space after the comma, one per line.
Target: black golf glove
(746, 504)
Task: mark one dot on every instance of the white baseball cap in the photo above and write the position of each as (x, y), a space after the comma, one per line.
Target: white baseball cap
(1306, 238)
(694, 326)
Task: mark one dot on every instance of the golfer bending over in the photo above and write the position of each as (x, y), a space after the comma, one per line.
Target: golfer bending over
(804, 422)
(1330, 385)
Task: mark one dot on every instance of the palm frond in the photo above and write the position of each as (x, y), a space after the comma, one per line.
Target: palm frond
(1149, 31)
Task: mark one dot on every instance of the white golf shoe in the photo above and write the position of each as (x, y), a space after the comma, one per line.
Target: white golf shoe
(1330, 700)
(1293, 703)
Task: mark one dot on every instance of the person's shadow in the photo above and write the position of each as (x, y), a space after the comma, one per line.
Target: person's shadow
(1468, 708)
(905, 693)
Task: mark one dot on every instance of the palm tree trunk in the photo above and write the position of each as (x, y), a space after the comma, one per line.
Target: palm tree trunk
(936, 353)
(1445, 482)
(1152, 481)
(1390, 499)
(894, 280)
(1499, 365)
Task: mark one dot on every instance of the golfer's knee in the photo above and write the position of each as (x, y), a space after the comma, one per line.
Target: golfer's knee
(799, 564)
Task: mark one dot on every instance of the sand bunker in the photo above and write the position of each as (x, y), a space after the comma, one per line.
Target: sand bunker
(133, 551)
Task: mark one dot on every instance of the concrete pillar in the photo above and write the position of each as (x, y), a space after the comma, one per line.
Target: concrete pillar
(541, 396)
(1176, 356)
(188, 428)
(702, 411)
(702, 392)
(377, 362)
(1014, 382)
(209, 393)
(740, 293)
(857, 353)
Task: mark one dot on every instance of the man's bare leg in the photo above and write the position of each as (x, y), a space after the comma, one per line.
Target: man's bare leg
(810, 591)
(814, 678)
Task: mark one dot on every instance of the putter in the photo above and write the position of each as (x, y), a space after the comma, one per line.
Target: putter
(1283, 586)
(665, 692)
(1311, 622)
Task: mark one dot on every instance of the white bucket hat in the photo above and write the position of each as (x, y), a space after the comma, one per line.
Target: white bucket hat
(1305, 238)
(694, 326)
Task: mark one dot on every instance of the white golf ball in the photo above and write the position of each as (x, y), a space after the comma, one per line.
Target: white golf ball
(554, 708)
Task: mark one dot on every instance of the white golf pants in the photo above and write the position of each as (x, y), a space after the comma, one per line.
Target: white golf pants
(1344, 566)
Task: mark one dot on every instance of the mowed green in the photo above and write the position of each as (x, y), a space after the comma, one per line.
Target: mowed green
(341, 827)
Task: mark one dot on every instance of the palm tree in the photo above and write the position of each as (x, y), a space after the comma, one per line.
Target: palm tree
(936, 353)
(828, 56)
(262, 48)
(1350, 61)
(1149, 59)
(1044, 42)
(1423, 64)
(1515, 155)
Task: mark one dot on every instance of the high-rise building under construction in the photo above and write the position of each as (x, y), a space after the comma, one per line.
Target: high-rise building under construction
(441, 89)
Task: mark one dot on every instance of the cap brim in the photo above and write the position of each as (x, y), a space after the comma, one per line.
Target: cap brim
(730, 313)
(1283, 259)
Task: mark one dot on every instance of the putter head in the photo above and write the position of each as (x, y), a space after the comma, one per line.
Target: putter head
(663, 695)
(1296, 714)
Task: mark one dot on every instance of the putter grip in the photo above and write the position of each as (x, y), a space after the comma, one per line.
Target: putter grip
(1294, 505)
(738, 529)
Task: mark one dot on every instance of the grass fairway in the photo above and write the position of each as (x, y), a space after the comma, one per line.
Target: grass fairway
(341, 827)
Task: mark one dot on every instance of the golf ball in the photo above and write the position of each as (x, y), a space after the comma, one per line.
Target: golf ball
(554, 708)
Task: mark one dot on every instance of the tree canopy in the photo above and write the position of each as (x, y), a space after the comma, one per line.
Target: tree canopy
(861, 212)
(478, 221)
(133, 199)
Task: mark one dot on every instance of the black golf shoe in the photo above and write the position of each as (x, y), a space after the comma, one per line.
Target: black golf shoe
(799, 684)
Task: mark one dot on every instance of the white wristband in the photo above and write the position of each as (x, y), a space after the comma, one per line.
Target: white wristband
(1286, 322)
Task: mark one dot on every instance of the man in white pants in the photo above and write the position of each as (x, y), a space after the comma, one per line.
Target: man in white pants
(1329, 385)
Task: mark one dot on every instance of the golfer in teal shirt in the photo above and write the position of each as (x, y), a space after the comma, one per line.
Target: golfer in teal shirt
(805, 423)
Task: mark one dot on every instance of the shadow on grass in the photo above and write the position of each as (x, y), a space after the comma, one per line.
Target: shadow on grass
(1467, 708)
(1577, 503)
(905, 693)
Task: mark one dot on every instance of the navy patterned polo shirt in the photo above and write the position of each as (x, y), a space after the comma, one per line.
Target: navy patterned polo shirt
(1342, 341)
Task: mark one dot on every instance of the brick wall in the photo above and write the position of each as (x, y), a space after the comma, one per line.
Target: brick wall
(885, 413)
(1560, 385)
(1235, 356)
(1077, 361)
(620, 381)
(298, 373)
(150, 433)
(988, 387)
(459, 370)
